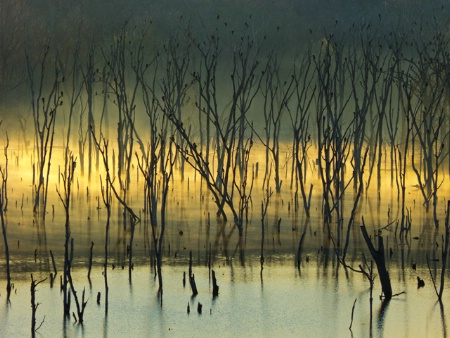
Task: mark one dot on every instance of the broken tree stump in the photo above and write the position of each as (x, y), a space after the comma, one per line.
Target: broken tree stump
(193, 285)
(192, 277)
(53, 262)
(215, 286)
(378, 257)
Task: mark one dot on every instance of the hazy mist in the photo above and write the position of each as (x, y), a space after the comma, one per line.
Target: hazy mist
(286, 28)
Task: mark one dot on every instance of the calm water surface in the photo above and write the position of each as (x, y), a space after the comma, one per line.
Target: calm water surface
(313, 301)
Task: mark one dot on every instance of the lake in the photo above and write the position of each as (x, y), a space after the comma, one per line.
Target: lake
(312, 300)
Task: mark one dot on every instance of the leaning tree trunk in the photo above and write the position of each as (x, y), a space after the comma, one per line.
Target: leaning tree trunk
(378, 256)
(5, 239)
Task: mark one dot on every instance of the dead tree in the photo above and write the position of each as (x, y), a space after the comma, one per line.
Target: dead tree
(276, 97)
(88, 75)
(364, 69)
(122, 93)
(243, 187)
(403, 148)
(299, 115)
(151, 184)
(233, 141)
(384, 106)
(174, 86)
(34, 306)
(378, 257)
(166, 177)
(65, 197)
(3, 207)
(207, 101)
(74, 97)
(80, 308)
(102, 145)
(107, 201)
(445, 250)
(359, 192)
(44, 108)
(4, 174)
(333, 136)
(158, 129)
(394, 116)
(264, 206)
(429, 76)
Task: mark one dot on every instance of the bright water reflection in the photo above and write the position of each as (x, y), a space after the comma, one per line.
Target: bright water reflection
(315, 301)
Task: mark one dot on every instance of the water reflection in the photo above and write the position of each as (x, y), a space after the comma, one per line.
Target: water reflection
(382, 312)
(443, 319)
(301, 286)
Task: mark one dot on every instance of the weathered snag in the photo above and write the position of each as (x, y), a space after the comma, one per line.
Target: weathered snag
(378, 256)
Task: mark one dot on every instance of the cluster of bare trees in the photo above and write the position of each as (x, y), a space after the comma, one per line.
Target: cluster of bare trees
(207, 93)
(205, 100)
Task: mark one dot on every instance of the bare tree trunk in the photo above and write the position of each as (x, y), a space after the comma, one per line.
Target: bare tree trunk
(107, 200)
(44, 115)
(65, 197)
(378, 256)
(3, 199)
(34, 305)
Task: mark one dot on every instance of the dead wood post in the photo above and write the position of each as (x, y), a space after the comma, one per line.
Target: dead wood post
(215, 286)
(191, 277)
(299, 250)
(378, 256)
(90, 261)
(53, 276)
(53, 263)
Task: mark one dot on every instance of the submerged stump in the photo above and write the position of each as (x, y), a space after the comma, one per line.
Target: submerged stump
(215, 292)
(193, 285)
